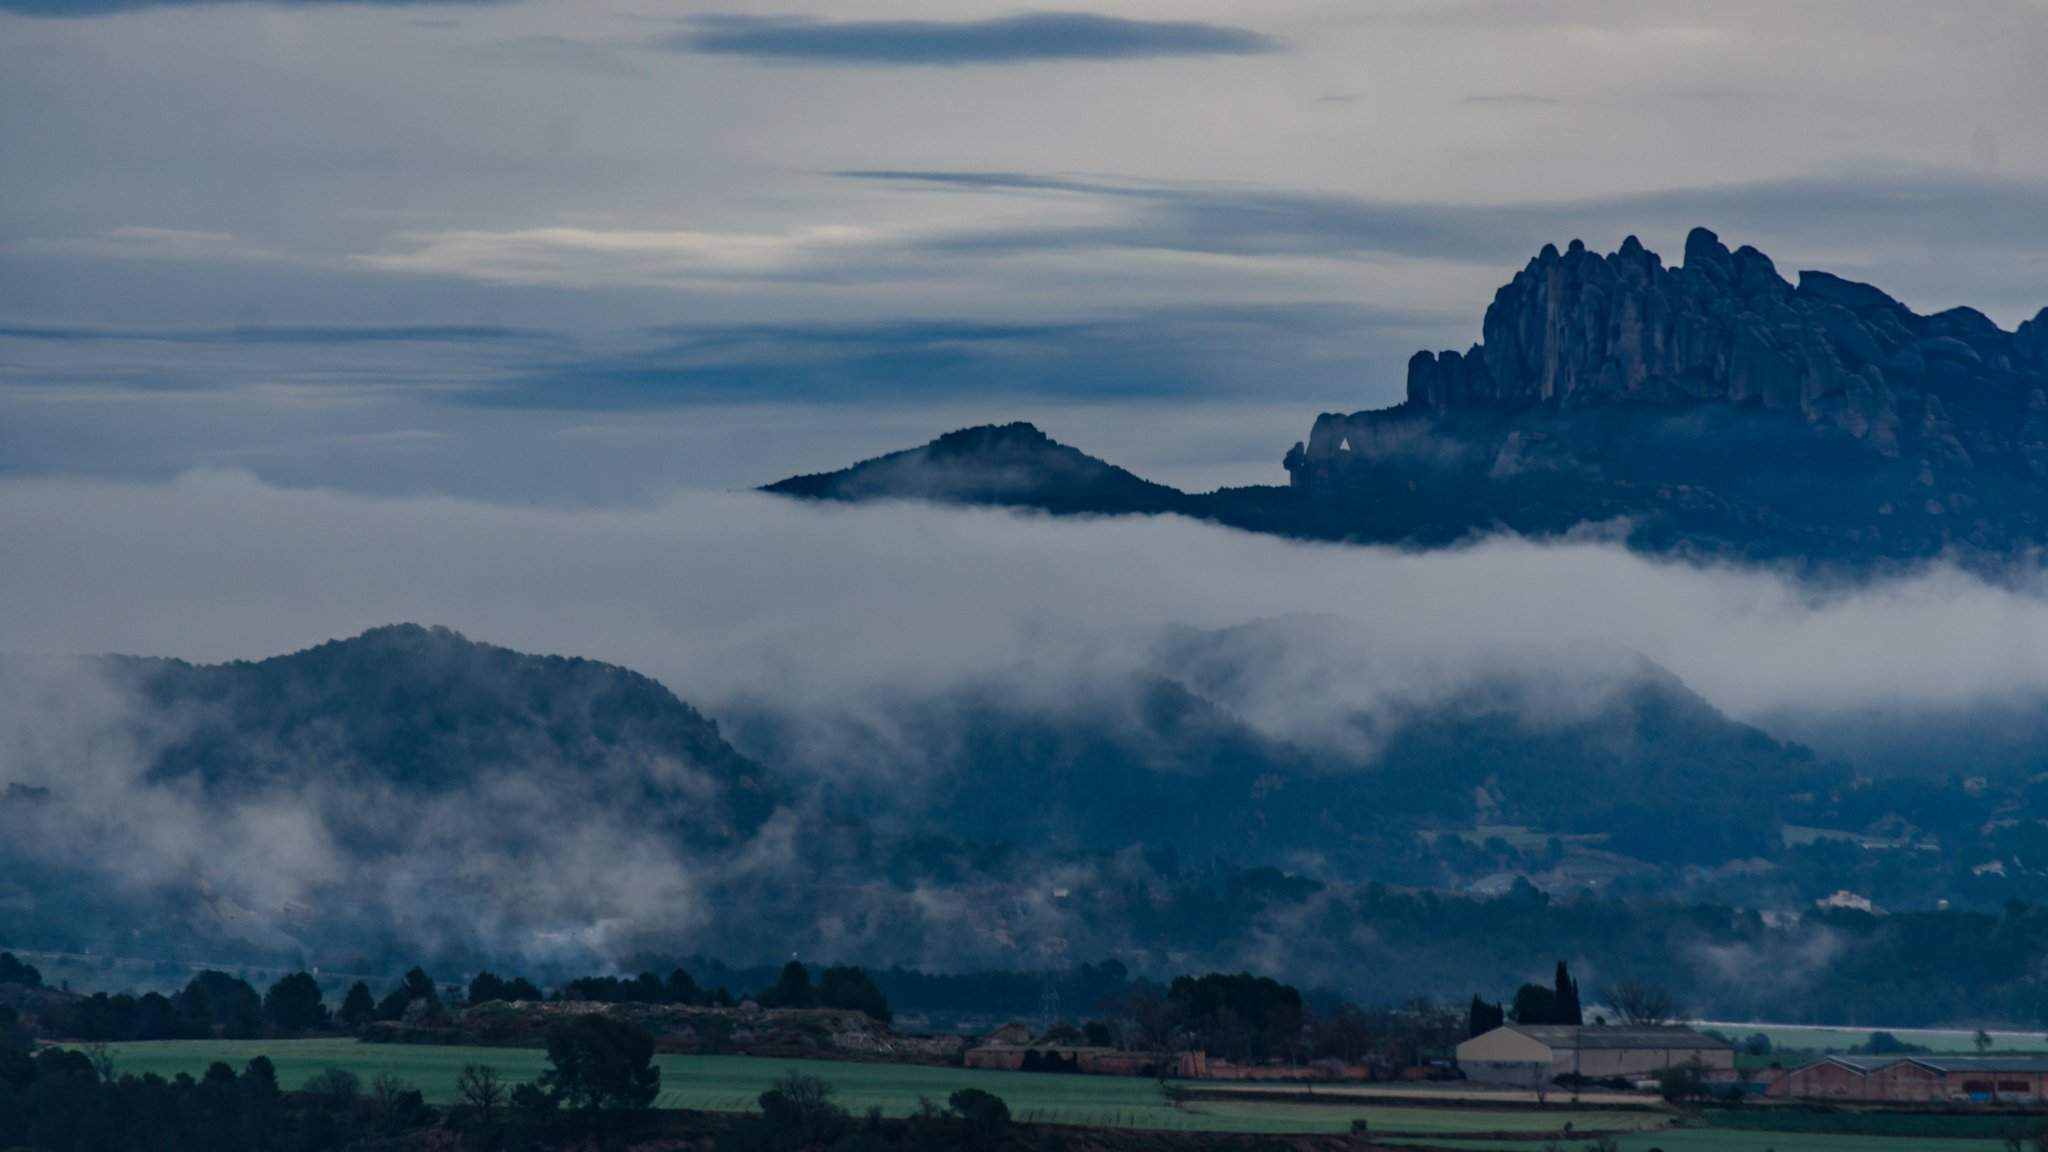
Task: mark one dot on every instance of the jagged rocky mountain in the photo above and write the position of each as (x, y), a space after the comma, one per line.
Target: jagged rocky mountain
(1712, 407)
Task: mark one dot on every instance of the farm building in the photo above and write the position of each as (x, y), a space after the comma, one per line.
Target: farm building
(1532, 1054)
(1982, 1079)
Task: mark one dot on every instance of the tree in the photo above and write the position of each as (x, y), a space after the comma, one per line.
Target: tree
(1982, 1040)
(339, 1087)
(800, 1111)
(1566, 991)
(1682, 1082)
(600, 1064)
(851, 989)
(481, 1090)
(294, 1003)
(682, 988)
(1482, 1017)
(1344, 1032)
(356, 1008)
(486, 987)
(1240, 1015)
(419, 989)
(398, 1104)
(215, 1003)
(792, 989)
(1534, 1004)
(15, 971)
(987, 1116)
(1639, 1003)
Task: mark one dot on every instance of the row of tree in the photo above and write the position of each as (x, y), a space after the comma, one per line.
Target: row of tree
(1631, 1002)
(215, 1003)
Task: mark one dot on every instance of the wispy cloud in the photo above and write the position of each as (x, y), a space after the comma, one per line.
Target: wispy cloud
(151, 242)
(1031, 36)
(294, 334)
(1858, 221)
(77, 8)
(1186, 352)
(593, 256)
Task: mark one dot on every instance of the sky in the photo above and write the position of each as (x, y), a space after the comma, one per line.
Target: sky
(320, 316)
(587, 254)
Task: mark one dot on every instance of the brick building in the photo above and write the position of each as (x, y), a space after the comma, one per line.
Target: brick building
(1917, 1079)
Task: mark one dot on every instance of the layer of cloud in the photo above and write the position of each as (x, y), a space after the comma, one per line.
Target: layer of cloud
(1024, 37)
(732, 596)
(843, 621)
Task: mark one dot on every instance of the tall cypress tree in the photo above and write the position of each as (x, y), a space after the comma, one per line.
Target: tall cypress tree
(1567, 1003)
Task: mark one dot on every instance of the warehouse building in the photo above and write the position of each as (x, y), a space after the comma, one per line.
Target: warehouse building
(1527, 1055)
(1965, 1079)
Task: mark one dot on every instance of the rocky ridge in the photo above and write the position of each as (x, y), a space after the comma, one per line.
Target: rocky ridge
(1712, 408)
(1576, 329)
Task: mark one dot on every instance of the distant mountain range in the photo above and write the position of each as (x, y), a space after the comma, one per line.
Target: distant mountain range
(411, 793)
(1711, 408)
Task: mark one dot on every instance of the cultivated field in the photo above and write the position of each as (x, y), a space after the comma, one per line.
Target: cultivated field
(730, 1083)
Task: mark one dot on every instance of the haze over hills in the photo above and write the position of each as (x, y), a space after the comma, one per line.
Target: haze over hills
(410, 793)
(1711, 408)
(404, 785)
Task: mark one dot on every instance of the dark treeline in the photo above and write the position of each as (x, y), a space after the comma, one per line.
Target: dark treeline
(1083, 988)
(217, 1004)
(1382, 944)
(597, 1090)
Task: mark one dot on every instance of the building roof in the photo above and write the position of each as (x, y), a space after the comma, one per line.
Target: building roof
(1953, 1065)
(1670, 1036)
(1962, 1064)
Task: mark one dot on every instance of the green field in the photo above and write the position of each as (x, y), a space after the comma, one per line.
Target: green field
(1960, 1041)
(730, 1083)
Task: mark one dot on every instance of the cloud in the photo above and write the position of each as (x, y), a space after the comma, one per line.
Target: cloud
(1026, 37)
(1909, 223)
(80, 8)
(590, 257)
(1183, 352)
(275, 334)
(147, 242)
(1956, 209)
(733, 596)
(847, 621)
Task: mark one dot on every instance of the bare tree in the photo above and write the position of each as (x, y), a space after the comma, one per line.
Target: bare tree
(481, 1089)
(1639, 1003)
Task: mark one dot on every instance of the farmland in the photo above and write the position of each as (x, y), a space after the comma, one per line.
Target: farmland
(730, 1083)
